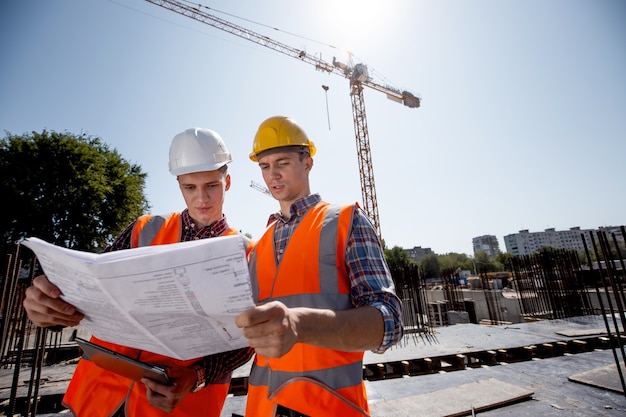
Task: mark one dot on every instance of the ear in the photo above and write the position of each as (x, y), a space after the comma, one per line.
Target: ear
(227, 180)
(308, 164)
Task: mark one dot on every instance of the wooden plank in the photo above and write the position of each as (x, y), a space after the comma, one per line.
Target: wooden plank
(452, 402)
(582, 332)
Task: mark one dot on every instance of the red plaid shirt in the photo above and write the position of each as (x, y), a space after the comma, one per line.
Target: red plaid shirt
(218, 365)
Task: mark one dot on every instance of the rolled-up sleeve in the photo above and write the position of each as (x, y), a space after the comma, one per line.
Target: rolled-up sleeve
(371, 281)
(222, 364)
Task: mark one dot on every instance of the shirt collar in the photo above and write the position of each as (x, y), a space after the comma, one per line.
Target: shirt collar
(216, 228)
(298, 208)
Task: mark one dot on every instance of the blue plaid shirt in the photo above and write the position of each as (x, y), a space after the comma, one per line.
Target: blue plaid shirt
(369, 274)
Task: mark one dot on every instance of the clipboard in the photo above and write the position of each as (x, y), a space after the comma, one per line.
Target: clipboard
(122, 364)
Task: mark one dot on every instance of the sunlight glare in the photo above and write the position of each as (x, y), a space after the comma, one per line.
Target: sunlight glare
(350, 23)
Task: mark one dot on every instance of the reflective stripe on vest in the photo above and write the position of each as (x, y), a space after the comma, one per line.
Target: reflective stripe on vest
(149, 231)
(315, 252)
(337, 378)
(157, 229)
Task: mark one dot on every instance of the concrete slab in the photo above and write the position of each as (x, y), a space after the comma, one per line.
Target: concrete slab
(466, 337)
(605, 377)
(468, 398)
(582, 333)
(554, 395)
(53, 380)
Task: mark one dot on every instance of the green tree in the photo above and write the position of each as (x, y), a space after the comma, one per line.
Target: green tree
(397, 257)
(430, 266)
(70, 190)
(404, 270)
(482, 263)
(504, 259)
(452, 260)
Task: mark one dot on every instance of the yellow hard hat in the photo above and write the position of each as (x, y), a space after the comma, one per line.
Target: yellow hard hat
(278, 132)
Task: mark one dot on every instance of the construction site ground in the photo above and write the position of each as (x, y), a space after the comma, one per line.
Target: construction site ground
(545, 368)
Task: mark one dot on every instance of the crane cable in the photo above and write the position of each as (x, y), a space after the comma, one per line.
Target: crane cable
(201, 6)
(372, 70)
(198, 5)
(325, 87)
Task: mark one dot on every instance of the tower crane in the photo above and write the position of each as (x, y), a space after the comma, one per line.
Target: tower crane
(357, 74)
(260, 188)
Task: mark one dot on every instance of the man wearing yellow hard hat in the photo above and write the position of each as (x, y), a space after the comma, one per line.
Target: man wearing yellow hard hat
(324, 291)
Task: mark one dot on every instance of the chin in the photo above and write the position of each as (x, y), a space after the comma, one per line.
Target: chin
(205, 220)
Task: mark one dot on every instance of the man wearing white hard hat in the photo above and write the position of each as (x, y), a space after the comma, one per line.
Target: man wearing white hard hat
(199, 160)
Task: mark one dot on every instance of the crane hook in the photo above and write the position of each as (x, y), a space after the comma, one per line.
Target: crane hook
(325, 87)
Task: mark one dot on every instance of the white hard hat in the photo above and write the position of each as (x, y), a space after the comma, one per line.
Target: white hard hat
(196, 150)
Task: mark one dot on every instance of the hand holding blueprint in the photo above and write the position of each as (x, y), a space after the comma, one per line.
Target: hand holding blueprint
(178, 300)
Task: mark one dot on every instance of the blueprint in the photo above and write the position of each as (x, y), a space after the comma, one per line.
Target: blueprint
(179, 300)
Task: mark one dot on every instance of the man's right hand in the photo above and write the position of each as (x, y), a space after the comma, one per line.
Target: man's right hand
(45, 307)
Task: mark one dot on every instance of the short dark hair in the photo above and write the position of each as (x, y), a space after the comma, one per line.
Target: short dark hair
(300, 149)
(304, 154)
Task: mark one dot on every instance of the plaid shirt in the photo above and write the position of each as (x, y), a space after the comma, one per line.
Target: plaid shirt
(369, 274)
(219, 365)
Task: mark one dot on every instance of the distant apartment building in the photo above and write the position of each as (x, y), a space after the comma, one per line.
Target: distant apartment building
(488, 244)
(525, 242)
(613, 231)
(418, 252)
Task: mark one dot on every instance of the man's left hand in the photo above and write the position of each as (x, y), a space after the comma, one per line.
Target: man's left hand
(270, 328)
(167, 397)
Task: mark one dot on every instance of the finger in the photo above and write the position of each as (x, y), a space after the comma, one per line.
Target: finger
(45, 320)
(156, 400)
(41, 302)
(46, 311)
(263, 330)
(162, 389)
(183, 379)
(36, 296)
(271, 347)
(42, 283)
(151, 386)
(46, 293)
(243, 320)
(159, 395)
(259, 314)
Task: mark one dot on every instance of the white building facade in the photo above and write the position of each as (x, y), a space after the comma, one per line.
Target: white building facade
(525, 242)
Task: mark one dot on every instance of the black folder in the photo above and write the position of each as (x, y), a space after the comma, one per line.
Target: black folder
(121, 364)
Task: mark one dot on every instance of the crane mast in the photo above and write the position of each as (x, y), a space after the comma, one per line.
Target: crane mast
(357, 75)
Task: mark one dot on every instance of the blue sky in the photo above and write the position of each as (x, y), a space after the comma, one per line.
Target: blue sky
(522, 124)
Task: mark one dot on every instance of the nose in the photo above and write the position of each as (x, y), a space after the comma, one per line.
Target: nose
(202, 194)
(274, 172)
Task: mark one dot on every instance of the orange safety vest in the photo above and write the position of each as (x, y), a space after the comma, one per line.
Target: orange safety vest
(94, 391)
(309, 379)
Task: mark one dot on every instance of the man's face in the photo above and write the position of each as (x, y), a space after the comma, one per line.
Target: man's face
(204, 195)
(286, 175)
